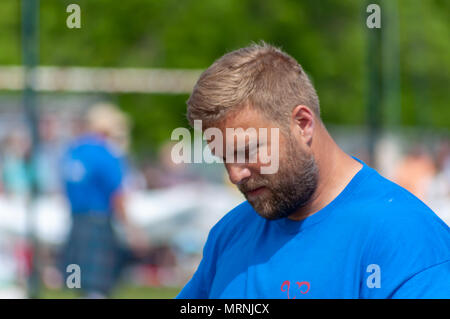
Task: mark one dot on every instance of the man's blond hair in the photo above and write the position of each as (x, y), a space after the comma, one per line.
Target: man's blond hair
(259, 75)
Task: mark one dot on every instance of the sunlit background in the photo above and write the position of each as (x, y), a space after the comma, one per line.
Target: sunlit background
(383, 93)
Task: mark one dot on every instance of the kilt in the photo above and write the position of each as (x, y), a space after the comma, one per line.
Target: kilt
(92, 244)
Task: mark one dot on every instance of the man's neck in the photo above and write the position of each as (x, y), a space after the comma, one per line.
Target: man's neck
(336, 170)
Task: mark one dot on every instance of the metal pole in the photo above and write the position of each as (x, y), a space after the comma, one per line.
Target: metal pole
(374, 88)
(30, 45)
(391, 64)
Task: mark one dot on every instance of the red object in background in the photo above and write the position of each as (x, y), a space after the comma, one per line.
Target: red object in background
(23, 254)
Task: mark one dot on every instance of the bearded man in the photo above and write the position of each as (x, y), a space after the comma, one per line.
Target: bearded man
(325, 224)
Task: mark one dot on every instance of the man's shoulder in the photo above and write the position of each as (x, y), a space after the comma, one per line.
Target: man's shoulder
(394, 219)
(386, 200)
(90, 147)
(85, 144)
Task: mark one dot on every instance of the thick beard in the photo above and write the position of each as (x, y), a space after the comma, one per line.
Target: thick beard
(289, 189)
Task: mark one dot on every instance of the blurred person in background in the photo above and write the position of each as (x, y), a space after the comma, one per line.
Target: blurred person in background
(93, 174)
(416, 171)
(15, 177)
(439, 191)
(48, 154)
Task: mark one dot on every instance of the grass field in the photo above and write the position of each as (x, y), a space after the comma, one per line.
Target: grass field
(121, 292)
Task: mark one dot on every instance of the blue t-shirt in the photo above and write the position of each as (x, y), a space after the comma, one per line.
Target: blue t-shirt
(374, 240)
(92, 174)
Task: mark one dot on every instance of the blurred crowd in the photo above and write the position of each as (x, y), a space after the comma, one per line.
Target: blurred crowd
(100, 234)
(102, 134)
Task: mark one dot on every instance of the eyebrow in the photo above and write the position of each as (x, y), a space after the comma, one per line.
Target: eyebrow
(245, 149)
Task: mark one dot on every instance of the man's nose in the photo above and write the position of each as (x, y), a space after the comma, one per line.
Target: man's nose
(238, 173)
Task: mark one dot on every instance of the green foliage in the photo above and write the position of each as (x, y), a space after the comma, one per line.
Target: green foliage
(121, 292)
(328, 37)
(154, 117)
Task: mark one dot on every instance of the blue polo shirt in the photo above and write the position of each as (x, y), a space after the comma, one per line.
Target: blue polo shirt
(92, 174)
(374, 240)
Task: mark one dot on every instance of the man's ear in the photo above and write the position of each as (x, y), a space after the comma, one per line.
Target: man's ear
(303, 120)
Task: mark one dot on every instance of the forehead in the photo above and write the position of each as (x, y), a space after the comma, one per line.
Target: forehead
(244, 117)
(246, 125)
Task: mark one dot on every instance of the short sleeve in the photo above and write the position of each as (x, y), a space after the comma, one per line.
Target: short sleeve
(411, 249)
(430, 283)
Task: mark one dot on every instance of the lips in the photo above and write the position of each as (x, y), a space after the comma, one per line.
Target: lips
(256, 191)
